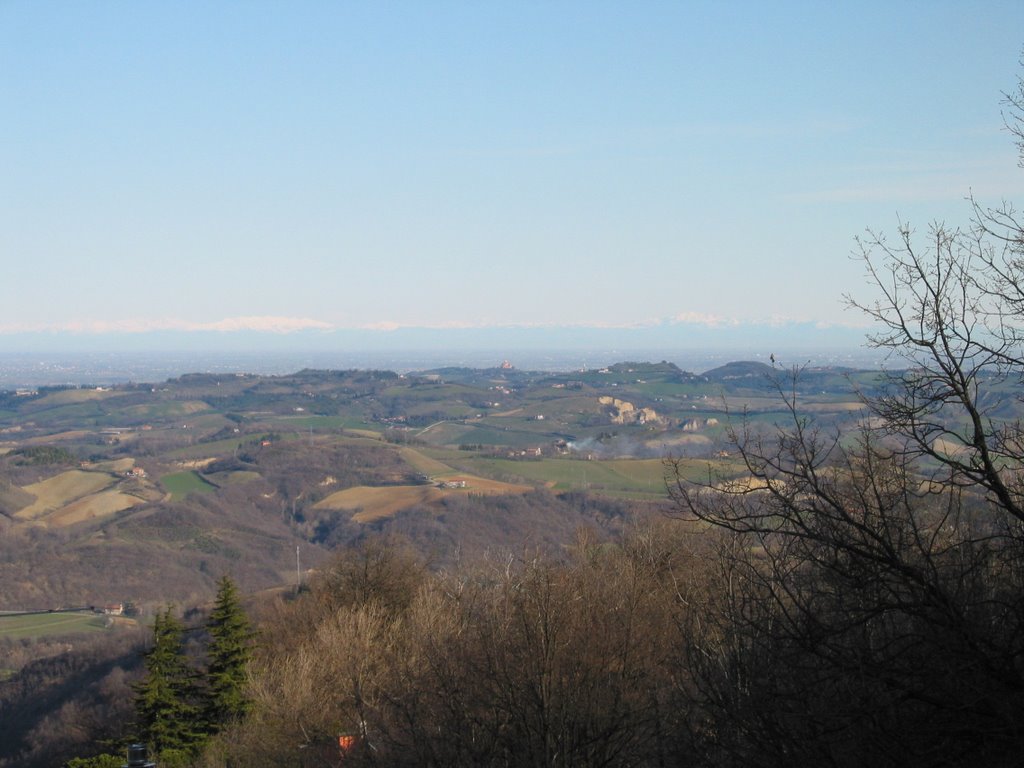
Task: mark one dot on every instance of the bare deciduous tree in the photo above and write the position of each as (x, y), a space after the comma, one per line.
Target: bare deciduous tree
(870, 604)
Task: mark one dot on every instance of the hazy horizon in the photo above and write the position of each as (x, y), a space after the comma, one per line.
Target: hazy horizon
(103, 368)
(341, 168)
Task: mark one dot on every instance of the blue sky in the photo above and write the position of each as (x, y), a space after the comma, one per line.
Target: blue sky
(280, 166)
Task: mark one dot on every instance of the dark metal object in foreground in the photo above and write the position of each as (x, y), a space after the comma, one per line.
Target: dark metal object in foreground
(138, 757)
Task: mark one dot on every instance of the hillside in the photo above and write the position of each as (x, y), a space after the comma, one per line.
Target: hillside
(147, 492)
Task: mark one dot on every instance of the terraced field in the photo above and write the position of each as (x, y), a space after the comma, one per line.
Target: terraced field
(91, 507)
(636, 478)
(423, 463)
(59, 491)
(120, 466)
(372, 503)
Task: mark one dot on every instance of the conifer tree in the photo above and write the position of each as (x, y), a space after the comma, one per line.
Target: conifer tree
(167, 715)
(229, 652)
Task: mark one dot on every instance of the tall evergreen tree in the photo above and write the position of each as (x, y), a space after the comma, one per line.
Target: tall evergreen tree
(229, 652)
(165, 699)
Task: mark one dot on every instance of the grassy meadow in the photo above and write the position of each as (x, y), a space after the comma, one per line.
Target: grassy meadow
(181, 484)
(35, 626)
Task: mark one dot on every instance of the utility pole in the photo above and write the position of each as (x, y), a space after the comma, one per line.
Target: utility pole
(298, 573)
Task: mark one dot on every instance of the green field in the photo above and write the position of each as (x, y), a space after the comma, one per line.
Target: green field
(229, 445)
(181, 484)
(211, 448)
(44, 624)
(220, 479)
(314, 421)
(432, 393)
(168, 409)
